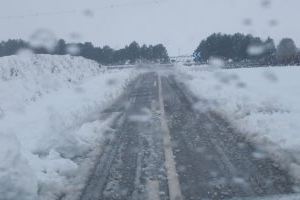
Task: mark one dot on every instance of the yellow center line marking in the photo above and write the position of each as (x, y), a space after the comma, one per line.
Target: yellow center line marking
(153, 190)
(173, 181)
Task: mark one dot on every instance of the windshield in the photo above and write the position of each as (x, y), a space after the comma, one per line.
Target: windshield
(149, 99)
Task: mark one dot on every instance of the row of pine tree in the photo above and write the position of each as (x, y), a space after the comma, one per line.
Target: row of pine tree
(132, 53)
(239, 47)
(235, 48)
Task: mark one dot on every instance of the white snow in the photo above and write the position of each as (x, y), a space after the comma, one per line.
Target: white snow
(263, 103)
(49, 117)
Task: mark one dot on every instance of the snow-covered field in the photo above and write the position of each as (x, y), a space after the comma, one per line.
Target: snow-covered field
(49, 122)
(263, 103)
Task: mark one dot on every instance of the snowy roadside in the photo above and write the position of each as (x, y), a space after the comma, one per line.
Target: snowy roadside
(49, 118)
(263, 103)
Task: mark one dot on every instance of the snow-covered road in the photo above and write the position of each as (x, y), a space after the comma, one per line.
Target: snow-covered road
(208, 158)
(70, 129)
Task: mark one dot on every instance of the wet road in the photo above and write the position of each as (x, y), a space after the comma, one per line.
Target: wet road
(163, 149)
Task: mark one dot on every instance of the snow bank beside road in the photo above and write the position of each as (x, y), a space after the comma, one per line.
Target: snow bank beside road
(264, 103)
(49, 115)
(26, 78)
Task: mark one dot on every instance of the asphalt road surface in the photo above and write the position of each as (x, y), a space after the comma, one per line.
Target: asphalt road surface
(164, 149)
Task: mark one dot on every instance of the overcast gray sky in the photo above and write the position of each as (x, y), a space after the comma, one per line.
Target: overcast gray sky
(179, 24)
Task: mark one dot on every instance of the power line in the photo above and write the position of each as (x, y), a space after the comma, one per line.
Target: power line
(38, 14)
(86, 12)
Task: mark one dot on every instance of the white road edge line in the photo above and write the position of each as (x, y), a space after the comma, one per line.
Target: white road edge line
(173, 181)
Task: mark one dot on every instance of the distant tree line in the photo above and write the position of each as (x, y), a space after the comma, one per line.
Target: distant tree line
(132, 53)
(247, 48)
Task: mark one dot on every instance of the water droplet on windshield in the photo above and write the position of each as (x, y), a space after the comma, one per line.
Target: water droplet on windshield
(88, 13)
(247, 22)
(216, 62)
(43, 38)
(73, 49)
(255, 50)
(266, 3)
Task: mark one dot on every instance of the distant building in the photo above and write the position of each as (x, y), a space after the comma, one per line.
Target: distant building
(183, 59)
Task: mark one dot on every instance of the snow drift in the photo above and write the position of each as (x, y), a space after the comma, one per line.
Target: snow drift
(261, 102)
(49, 115)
